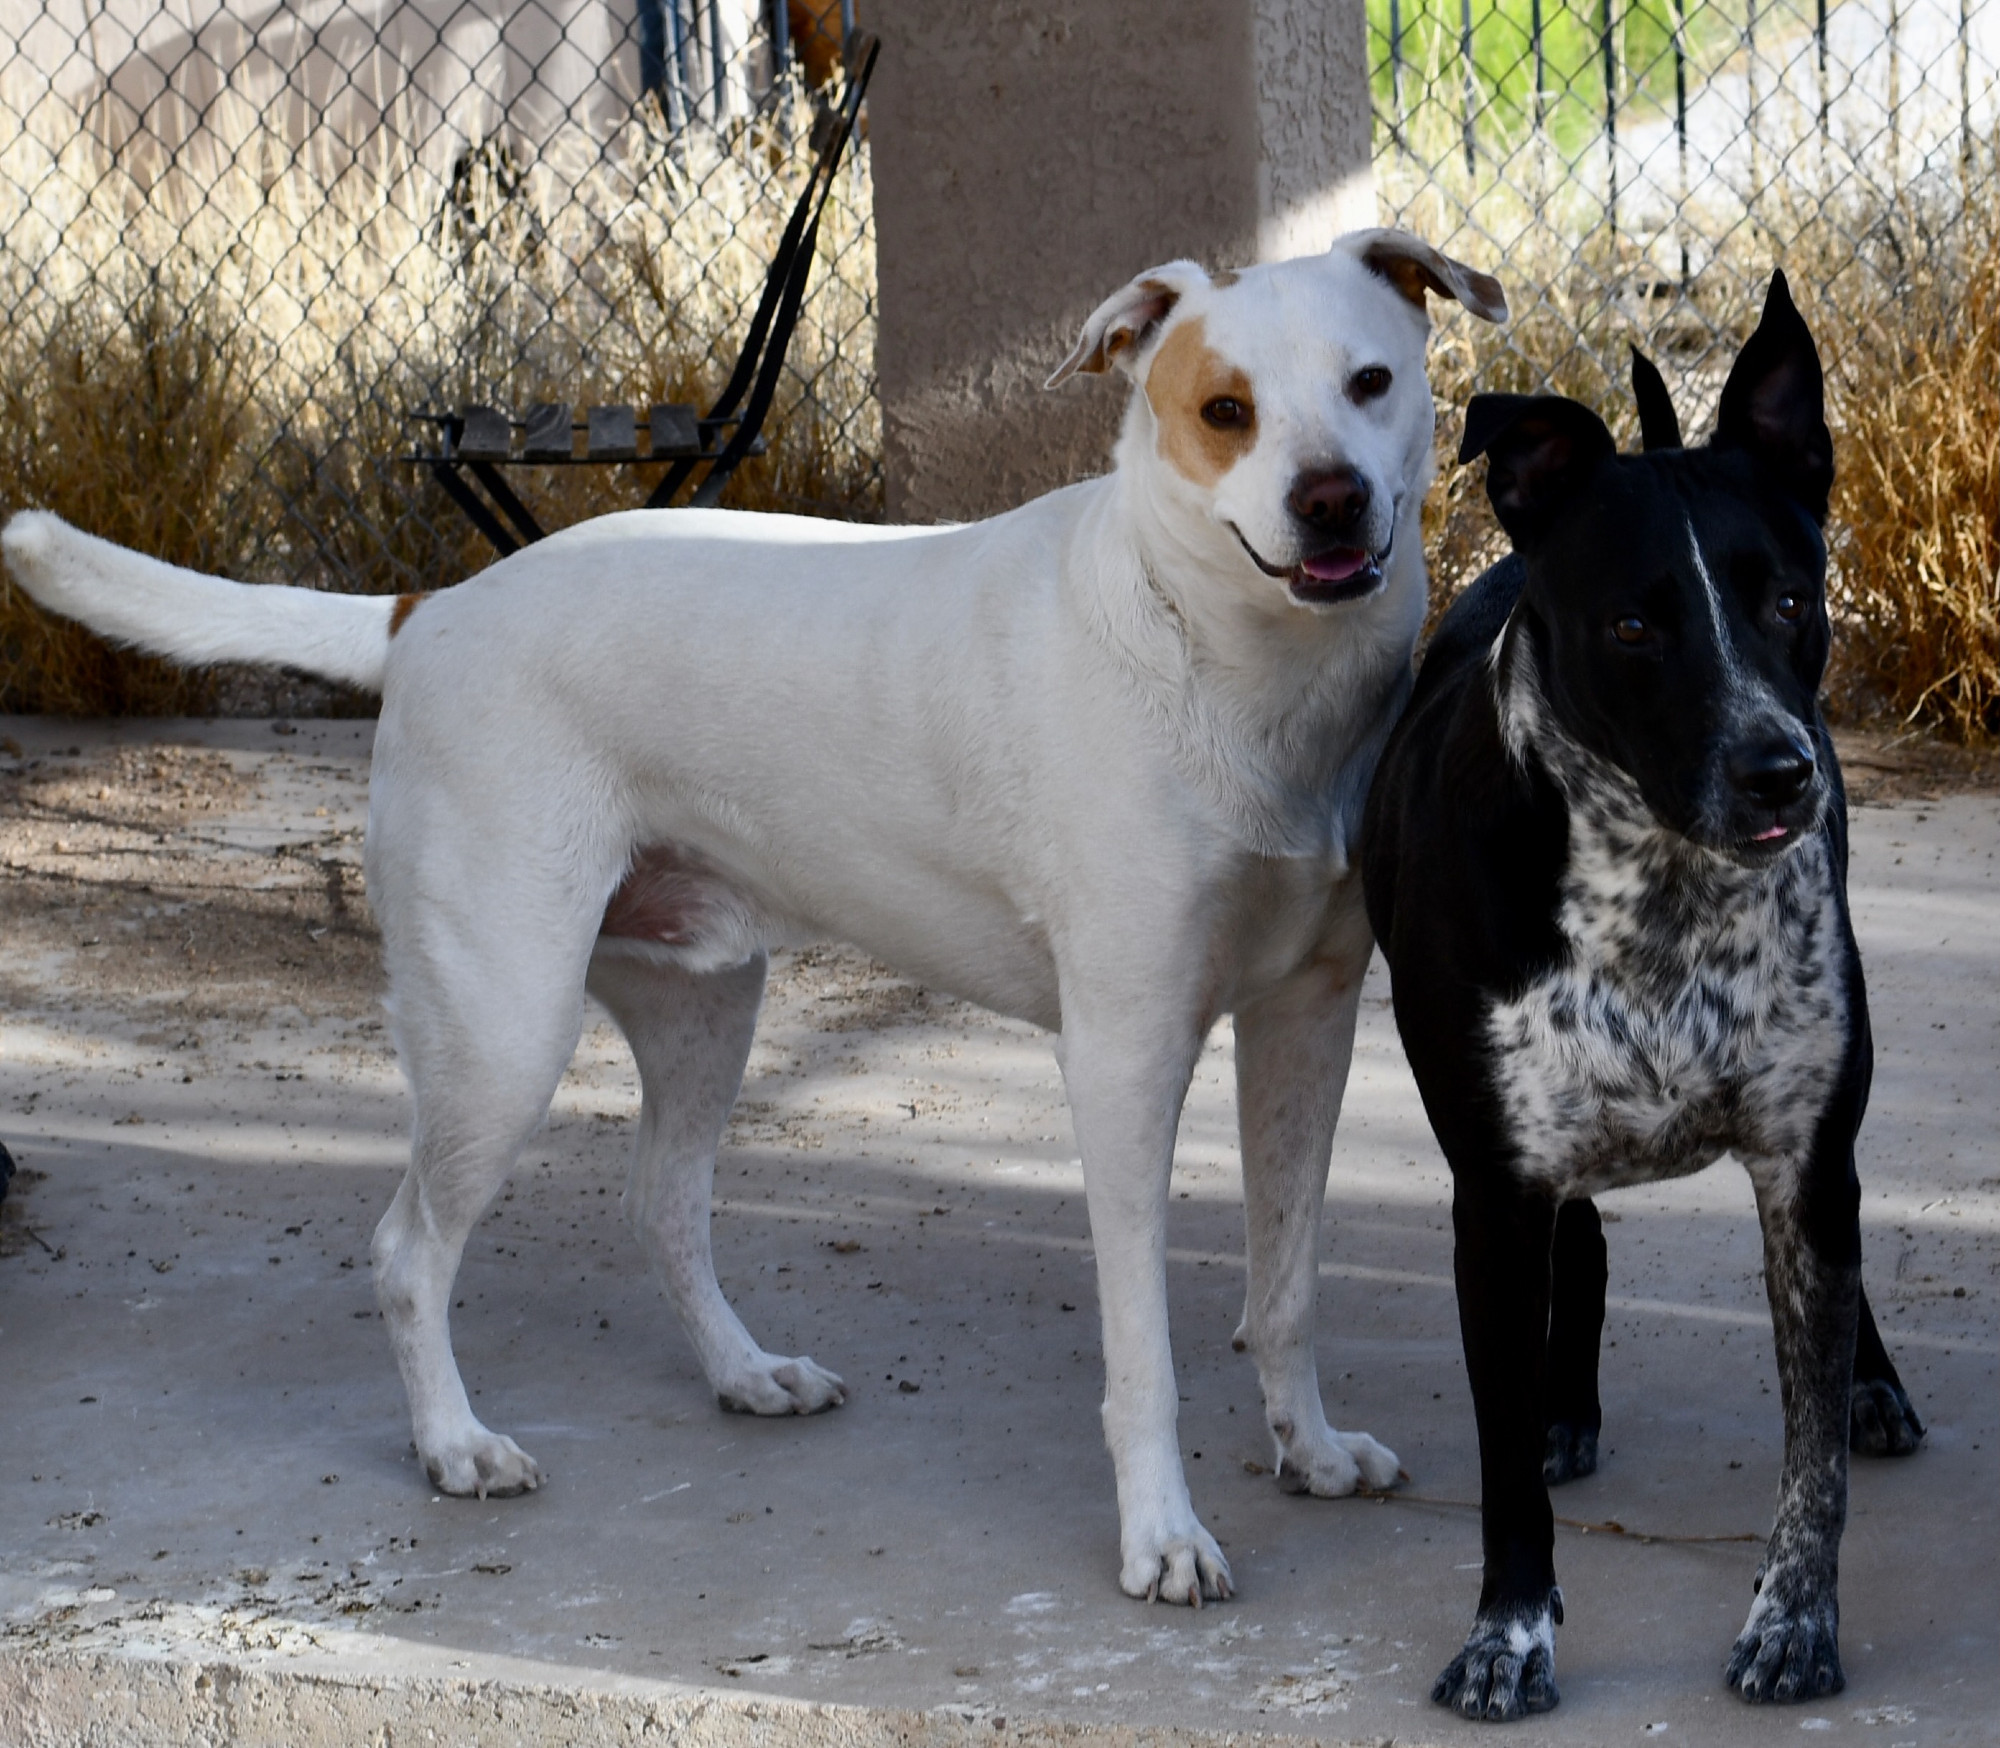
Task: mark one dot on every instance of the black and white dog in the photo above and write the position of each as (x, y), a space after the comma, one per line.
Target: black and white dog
(1606, 856)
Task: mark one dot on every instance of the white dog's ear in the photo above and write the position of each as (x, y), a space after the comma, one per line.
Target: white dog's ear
(1413, 267)
(1120, 327)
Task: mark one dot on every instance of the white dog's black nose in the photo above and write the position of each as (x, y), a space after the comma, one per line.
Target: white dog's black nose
(1774, 772)
(1333, 502)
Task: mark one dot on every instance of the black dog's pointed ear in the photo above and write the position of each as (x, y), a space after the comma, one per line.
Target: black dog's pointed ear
(1659, 424)
(1774, 403)
(1540, 449)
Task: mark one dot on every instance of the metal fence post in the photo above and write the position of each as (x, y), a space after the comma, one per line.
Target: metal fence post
(718, 65)
(1541, 60)
(1965, 81)
(1681, 132)
(1754, 117)
(1396, 65)
(1895, 90)
(1611, 118)
(680, 112)
(1471, 83)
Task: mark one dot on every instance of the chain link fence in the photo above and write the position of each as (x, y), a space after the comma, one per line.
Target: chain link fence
(1635, 169)
(240, 242)
(1657, 158)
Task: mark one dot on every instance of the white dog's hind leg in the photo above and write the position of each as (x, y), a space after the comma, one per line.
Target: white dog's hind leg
(690, 1034)
(1293, 1047)
(474, 1112)
(1126, 1084)
(486, 950)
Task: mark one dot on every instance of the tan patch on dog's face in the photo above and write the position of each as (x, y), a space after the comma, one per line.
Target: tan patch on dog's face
(1207, 415)
(404, 607)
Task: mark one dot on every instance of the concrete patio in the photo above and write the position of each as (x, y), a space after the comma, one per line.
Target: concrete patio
(215, 1528)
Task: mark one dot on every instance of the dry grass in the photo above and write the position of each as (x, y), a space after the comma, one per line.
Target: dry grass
(1908, 321)
(131, 425)
(1917, 502)
(211, 357)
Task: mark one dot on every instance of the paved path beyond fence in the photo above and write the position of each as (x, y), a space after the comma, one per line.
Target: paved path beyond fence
(213, 1527)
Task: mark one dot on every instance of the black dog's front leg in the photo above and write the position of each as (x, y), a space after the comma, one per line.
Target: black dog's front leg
(1504, 1238)
(1576, 1322)
(1789, 1648)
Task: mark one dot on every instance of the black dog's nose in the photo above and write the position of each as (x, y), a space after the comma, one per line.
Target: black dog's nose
(1334, 501)
(1775, 773)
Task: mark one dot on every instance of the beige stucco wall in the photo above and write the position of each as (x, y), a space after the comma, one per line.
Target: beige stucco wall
(1030, 156)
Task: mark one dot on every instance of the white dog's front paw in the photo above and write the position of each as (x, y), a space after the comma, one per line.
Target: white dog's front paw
(1330, 1464)
(1183, 1565)
(484, 1464)
(774, 1385)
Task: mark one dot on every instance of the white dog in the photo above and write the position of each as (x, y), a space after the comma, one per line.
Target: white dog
(1095, 763)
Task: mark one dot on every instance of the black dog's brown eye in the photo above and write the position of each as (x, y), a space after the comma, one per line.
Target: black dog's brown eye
(1791, 608)
(1226, 411)
(1629, 630)
(1371, 383)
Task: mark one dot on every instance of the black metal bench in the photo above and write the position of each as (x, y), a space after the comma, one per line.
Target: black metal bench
(475, 442)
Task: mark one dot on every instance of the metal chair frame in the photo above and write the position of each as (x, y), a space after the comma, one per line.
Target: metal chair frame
(479, 441)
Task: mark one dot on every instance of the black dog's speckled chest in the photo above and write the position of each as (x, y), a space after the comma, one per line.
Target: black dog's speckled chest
(1698, 1005)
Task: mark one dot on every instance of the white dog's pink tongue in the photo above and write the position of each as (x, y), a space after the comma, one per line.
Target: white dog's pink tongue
(1765, 837)
(1335, 566)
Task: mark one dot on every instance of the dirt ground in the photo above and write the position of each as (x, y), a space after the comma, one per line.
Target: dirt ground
(113, 860)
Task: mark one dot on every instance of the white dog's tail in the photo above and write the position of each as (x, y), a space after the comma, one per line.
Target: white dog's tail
(190, 618)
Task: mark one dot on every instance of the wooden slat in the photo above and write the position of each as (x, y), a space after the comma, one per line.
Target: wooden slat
(674, 429)
(549, 428)
(487, 435)
(612, 434)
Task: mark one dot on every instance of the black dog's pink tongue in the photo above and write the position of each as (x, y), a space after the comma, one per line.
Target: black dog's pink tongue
(1335, 566)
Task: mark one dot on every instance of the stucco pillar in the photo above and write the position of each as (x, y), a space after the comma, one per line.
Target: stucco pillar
(1030, 156)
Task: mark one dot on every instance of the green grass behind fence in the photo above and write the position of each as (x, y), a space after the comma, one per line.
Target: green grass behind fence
(1416, 51)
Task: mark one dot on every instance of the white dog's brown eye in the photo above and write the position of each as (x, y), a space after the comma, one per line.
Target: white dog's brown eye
(1630, 630)
(1226, 411)
(1791, 608)
(1371, 383)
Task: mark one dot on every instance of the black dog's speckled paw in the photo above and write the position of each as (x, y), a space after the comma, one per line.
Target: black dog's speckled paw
(1571, 1453)
(1882, 1421)
(1507, 1669)
(1787, 1655)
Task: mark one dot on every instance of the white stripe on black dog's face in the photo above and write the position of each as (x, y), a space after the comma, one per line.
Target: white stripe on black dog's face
(1691, 656)
(1675, 601)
